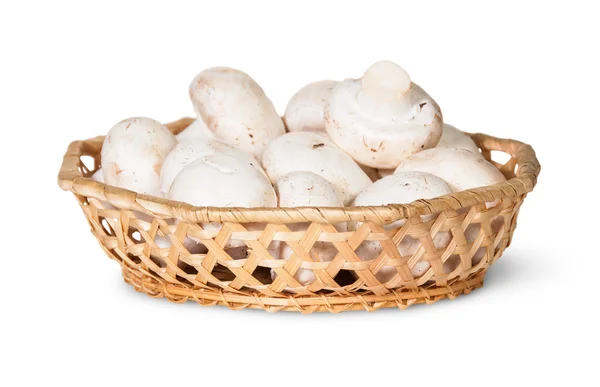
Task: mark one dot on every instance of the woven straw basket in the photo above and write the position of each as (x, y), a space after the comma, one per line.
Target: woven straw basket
(131, 226)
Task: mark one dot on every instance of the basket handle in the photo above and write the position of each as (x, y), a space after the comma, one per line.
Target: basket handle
(529, 166)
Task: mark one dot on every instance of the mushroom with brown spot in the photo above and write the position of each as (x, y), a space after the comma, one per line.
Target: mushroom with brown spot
(382, 118)
(312, 152)
(460, 168)
(133, 154)
(235, 109)
(192, 149)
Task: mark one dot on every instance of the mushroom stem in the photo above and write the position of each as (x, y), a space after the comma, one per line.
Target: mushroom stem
(385, 90)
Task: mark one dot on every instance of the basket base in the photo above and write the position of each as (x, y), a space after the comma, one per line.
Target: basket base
(333, 303)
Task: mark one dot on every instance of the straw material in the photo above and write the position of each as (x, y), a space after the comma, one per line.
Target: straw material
(146, 235)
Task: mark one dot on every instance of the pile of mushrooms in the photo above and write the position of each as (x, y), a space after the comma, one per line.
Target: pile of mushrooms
(372, 141)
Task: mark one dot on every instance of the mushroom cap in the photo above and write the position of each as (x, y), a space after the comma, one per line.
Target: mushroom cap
(311, 152)
(381, 124)
(378, 142)
(305, 110)
(236, 109)
(402, 188)
(456, 139)
(372, 173)
(233, 183)
(196, 129)
(306, 189)
(190, 150)
(460, 168)
(133, 153)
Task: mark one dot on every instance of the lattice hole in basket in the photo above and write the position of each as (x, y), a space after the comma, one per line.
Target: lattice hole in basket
(87, 165)
(106, 227)
(135, 236)
(500, 157)
(503, 161)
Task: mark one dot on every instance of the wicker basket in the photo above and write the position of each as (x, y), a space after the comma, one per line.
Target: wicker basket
(129, 226)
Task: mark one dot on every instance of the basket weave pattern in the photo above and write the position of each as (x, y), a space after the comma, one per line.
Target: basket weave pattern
(132, 229)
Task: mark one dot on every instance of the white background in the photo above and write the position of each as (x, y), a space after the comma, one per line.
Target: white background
(71, 70)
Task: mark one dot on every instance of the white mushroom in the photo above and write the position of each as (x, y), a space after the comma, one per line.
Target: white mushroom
(133, 154)
(311, 152)
(190, 150)
(457, 139)
(402, 188)
(460, 168)
(304, 189)
(221, 180)
(305, 109)
(383, 118)
(235, 109)
(372, 173)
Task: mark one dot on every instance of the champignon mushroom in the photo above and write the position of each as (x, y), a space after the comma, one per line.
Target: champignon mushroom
(304, 189)
(133, 154)
(372, 173)
(221, 180)
(235, 109)
(460, 168)
(305, 109)
(383, 118)
(311, 152)
(456, 139)
(190, 150)
(402, 188)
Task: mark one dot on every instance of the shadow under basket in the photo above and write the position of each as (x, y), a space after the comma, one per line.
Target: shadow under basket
(164, 250)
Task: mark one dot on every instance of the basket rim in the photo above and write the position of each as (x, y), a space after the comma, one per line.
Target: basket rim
(70, 178)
